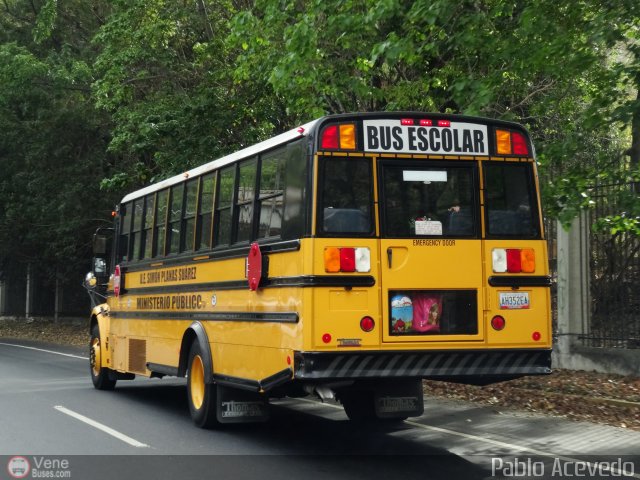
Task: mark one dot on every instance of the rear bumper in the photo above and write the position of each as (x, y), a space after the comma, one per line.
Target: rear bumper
(492, 365)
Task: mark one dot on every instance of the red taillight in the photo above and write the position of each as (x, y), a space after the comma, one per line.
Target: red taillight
(348, 259)
(514, 261)
(498, 322)
(444, 123)
(519, 144)
(367, 324)
(330, 138)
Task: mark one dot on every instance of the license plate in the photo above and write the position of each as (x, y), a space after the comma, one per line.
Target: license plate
(513, 300)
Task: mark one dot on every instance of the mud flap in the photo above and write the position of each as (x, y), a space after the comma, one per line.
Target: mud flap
(240, 406)
(399, 400)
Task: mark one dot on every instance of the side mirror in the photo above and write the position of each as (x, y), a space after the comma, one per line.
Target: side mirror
(99, 266)
(99, 244)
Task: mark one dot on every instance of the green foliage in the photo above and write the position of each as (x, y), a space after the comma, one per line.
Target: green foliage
(98, 98)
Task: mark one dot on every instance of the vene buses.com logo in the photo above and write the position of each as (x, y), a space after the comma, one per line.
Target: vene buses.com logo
(18, 467)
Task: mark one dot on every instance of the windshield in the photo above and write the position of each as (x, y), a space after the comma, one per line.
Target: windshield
(511, 208)
(429, 201)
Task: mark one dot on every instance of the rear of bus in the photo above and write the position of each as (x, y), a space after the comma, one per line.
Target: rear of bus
(428, 234)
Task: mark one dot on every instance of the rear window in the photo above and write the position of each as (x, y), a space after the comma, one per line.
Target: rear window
(429, 201)
(346, 196)
(510, 201)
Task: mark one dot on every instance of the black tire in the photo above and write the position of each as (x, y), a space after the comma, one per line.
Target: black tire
(201, 395)
(359, 406)
(100, 376)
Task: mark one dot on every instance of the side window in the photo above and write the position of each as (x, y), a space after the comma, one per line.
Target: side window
(175, 218)
(125, 229)
(161, 218)
(189, 216)
(224, 206)
(346, 196)
(271, 195)
(136, 231)
(244, 202)
(147, 234)
(205, 215)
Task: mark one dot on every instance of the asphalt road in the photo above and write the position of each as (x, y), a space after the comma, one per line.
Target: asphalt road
(53, 419)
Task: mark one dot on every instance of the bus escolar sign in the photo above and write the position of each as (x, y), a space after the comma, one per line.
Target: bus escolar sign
(392, 137)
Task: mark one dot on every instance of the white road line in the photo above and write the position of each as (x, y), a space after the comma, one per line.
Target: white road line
(43, 350)
(497, 443)
(100, 426)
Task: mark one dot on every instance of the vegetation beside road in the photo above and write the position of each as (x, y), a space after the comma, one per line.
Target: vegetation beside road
(595, 397)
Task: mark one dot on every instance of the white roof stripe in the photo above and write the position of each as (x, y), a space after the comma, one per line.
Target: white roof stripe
(221, 162)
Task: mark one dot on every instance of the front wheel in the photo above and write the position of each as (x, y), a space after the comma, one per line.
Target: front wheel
(202, 394)
(100, 376)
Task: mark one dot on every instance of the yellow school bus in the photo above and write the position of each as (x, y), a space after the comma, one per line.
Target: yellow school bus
(348, 258)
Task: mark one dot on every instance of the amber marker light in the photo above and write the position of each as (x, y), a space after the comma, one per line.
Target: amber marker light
(528, 260)
(503, 142)
(348, 136)
(331, 259)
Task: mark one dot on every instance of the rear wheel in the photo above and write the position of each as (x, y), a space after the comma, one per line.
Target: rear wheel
(202, 395)
(359, 405)
(100, 376)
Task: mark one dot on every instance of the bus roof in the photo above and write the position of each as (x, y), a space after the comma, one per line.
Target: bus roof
(273, 142)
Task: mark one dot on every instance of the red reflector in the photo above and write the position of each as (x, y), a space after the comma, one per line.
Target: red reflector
(367, 324)
(326, 338)
(426, 123)
(514, 263)
(330, 137)
(347, 259)
(498, 322)
(519, 144)
(406, 121)
(444, 123)
(536, 336)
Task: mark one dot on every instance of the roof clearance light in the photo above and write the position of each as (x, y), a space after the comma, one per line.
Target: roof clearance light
(444, 123)
(347, 259)
(363, 260)
(331, 259)
(514, 260)
(503, 142)
(426, 123)
(407, 121)
(499, 256)
(528, 260)
(519, 144)
(348, 136)
(330, 137)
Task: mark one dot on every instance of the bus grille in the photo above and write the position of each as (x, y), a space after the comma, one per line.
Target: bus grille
(137, 355)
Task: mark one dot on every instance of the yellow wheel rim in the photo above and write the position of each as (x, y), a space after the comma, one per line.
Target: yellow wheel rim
(196, 382)
(95, 357)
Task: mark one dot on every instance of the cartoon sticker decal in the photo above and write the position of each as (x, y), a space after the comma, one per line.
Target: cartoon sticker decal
(414, 313)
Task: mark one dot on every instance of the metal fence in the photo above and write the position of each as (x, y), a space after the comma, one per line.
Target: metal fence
(614, 286)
